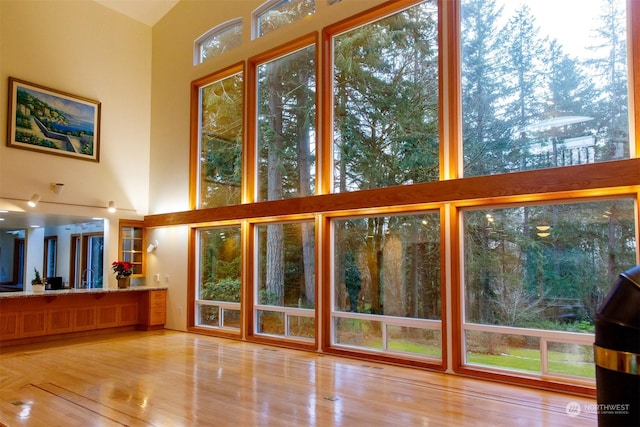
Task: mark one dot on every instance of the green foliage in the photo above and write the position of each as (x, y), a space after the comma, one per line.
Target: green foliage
(30, 138)
(268, 298)
(36, 277)
(226, 289)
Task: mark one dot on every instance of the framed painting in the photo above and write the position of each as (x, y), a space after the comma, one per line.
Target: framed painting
(53, 122)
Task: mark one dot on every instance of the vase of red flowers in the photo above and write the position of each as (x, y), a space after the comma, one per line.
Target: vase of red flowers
(123, 271)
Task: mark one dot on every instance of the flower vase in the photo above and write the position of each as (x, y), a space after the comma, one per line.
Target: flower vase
(37, 288)
(123, 282)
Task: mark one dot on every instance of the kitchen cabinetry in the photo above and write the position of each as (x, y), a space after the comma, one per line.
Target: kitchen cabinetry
(30, 317)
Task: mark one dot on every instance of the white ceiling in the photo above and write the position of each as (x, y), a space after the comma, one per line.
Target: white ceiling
(146, 11)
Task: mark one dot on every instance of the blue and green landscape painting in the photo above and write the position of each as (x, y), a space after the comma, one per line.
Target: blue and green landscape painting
(53, 122)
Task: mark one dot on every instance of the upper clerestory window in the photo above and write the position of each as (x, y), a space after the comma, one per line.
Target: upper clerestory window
(218, 40)
(274, 14)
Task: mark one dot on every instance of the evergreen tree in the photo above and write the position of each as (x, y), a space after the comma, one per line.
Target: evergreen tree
(484, 134)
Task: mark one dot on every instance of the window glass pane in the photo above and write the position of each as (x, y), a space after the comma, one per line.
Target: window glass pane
(358, 333)
(388, 265)
(286, 264)
(219, 264)
(503, 351)
(522, 261)
(543, 89)
(208, 315)
(304, 327)
(221, 40)
(385, 96)
(221, 142)
(571, 359)
(231, 319)
(414, 340)
(281, 13)
(286, 120)
(270, 322)
(542, 268)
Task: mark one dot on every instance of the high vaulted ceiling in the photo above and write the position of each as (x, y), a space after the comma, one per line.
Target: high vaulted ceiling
(148, 12)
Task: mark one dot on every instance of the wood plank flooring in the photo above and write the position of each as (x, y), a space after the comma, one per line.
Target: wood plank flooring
(166, 378)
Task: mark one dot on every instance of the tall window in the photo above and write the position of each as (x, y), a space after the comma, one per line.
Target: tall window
(386, 284)
(220, 140)
(533, 278)
(274, 14)
(385, 98)
(286, 282)
(543, 89)
(286, 125)
(218, 293)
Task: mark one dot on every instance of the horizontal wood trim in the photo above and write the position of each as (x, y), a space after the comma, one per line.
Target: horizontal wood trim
(621, 174)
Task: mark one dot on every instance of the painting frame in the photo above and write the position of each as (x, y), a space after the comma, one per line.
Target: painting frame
(50, 121)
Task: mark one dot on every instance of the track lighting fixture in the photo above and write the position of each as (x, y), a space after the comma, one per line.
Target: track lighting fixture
(112, 206)
(33, 202)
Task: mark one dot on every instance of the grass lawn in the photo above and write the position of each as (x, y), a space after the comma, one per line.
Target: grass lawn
(528, 360)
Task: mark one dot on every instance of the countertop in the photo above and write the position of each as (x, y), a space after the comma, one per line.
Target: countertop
(61, 292)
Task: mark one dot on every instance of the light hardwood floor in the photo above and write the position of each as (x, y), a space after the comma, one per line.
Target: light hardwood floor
(166, 378)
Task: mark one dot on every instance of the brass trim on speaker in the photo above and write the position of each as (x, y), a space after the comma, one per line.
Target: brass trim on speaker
(620, 361)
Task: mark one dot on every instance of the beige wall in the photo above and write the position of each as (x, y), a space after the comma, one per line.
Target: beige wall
(82, 48)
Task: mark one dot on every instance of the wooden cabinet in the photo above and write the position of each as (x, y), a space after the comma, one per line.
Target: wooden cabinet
(35, 318)
(153, 311)
(132, 245)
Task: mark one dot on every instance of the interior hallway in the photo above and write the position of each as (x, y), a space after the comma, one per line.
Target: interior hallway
(166, 378)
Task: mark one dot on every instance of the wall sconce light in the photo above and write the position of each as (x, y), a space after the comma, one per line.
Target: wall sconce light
(111, 207)
(33, 202)
(152, 246)
(56, 187)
